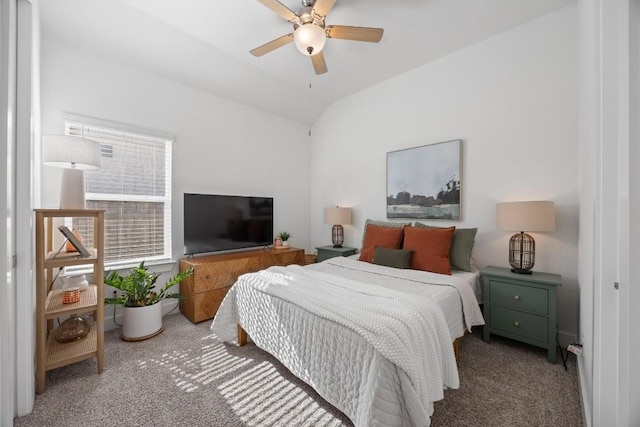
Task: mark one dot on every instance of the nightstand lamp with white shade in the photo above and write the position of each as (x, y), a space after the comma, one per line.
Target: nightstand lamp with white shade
(337, 216)
(529, 216)
(75, 155)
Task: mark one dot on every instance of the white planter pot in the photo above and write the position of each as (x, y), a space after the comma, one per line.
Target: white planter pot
(141, 323)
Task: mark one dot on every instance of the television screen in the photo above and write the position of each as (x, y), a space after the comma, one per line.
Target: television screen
(214, 223)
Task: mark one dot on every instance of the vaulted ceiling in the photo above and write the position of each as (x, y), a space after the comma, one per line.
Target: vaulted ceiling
(206, 43)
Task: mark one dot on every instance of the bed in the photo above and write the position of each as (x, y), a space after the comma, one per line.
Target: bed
(374, 341)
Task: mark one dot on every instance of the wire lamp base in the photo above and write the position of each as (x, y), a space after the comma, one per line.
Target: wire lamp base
(337, 236)
(522, 253)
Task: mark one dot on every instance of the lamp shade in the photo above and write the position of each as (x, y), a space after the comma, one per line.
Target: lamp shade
(309, 39)
(65, 151)
(337, 215)
(526, 216)
(75, 155)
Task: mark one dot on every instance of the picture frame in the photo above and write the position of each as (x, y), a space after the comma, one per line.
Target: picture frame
(74, 241)
(424, 182)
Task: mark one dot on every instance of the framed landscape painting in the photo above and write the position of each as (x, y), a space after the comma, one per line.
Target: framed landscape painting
(424, 182)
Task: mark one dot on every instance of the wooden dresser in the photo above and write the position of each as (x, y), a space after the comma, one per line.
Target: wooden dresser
(213, 275)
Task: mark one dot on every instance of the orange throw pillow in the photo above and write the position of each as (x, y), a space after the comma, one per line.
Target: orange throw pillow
(431, 248)
(375, 235)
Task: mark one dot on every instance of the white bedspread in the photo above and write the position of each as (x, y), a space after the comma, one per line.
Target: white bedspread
(416, 282)
(379, 355)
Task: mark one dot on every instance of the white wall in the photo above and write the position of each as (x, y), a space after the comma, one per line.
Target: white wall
(221, 147)
(512, 99)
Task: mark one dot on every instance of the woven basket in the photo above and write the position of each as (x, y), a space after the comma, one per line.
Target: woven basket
(71, 295)
(310, 259)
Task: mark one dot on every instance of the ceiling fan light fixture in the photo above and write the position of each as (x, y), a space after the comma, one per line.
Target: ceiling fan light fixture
(309, 39)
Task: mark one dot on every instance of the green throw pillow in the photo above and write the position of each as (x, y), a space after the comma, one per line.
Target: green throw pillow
(396, 258)
(461, 246)
(383, 224)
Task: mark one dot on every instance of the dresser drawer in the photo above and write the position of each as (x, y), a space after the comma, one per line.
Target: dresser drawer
(519, 323)
(281, 259)
(525, 298)
(217, 275)
(203, 305)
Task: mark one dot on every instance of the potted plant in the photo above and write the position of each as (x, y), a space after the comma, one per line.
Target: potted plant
(285, 237)
(142, 308)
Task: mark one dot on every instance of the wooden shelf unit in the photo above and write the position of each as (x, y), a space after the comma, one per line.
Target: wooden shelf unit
(49, 353)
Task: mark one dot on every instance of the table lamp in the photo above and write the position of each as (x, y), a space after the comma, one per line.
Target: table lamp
(75, 155)
(524, 216)
(337, 216)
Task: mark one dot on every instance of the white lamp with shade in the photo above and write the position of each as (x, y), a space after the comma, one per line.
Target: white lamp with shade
(75, 155)
(532, 216)
(337, 216)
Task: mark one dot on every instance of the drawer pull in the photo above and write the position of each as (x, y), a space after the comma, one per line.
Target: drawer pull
(517, 297)
(208, 277)
(516, 323)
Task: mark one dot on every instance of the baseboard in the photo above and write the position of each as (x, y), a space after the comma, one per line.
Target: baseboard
(109, 323)
(565, 339)
(586, 404)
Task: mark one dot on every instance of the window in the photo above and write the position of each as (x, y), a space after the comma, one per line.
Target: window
(133, 186)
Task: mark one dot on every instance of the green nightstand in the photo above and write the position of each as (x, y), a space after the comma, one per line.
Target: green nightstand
(326, 252)
(521, 307)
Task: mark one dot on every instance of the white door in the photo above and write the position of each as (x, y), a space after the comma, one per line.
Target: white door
(18, 20)
(8, 14)
(630, 315)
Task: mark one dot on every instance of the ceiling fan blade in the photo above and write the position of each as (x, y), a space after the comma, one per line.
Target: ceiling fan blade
(319, 64)
(323, 7)
(361, 34)
(272, 45)
(280, 9)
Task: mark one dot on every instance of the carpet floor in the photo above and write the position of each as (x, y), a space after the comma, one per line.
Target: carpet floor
(187, 377)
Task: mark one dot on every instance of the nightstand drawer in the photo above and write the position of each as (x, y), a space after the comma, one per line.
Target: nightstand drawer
(519, 323)
(327, 252)
(525, 298)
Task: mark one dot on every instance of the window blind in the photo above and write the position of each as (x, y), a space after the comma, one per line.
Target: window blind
(133, 186)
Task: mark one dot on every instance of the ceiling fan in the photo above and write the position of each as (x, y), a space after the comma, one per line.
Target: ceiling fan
(310, 32)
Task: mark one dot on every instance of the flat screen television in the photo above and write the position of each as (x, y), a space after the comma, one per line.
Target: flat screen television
(214, 223)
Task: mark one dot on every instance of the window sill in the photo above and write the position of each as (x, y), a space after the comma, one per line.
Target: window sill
(157, 266)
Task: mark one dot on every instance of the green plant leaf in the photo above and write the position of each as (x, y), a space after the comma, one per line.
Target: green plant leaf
(284, 236)
(138, 287)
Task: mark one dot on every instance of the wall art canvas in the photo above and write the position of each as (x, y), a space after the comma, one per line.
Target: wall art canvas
(424, 182)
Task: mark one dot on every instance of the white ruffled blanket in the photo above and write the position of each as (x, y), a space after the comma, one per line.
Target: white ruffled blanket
(380, 356)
